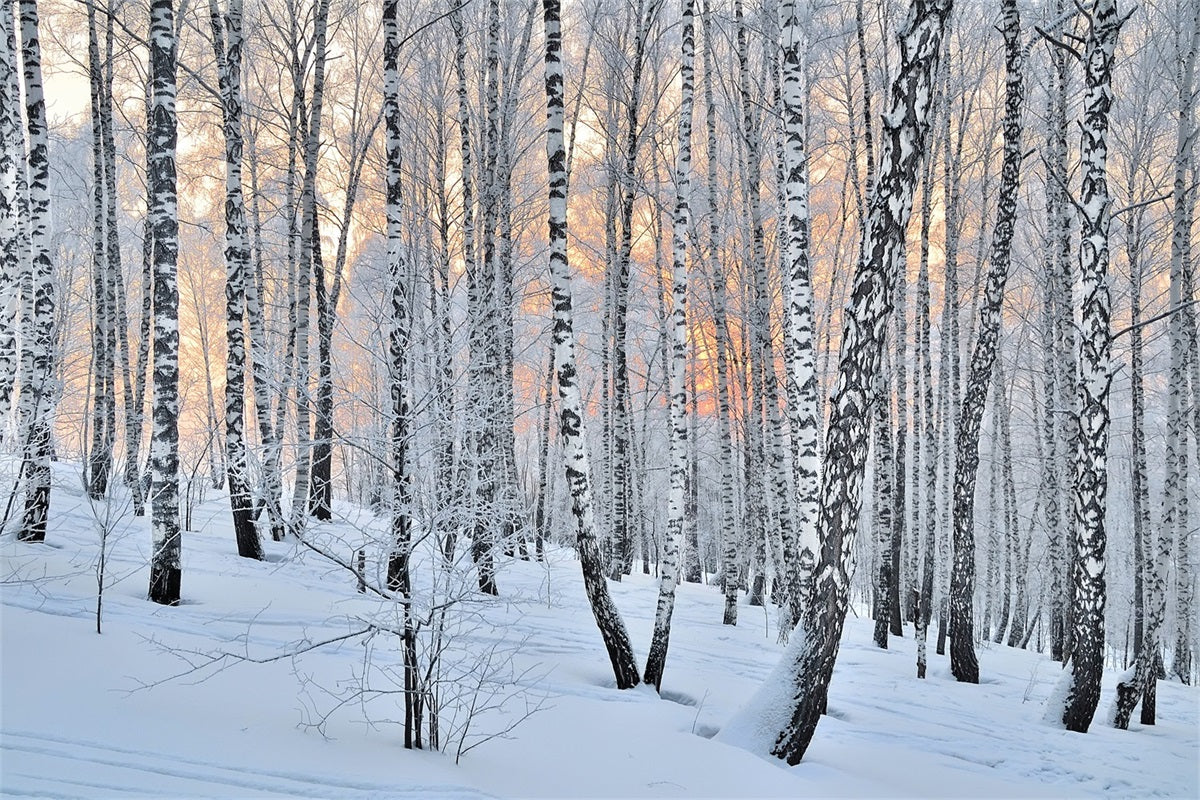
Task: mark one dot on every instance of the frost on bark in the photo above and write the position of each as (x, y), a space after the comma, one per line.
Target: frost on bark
(12, 162)
(963, 662)
(164, 435)
(608, 618)
(36, 409)
(806, 667)
(678, 455)
(1091, 455)
(227, 46)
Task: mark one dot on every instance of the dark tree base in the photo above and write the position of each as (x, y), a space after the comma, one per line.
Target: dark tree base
(164, 586)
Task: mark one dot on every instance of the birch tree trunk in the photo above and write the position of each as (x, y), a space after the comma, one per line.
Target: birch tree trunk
(309, 268)
(963, 662)
(608, 618)
(721, 338)
(1184, 349)
(37, 393)
(1091, 456)
(12, 166)
(678, 455)
(227, 47)
(165, 565)
(807, 665)
(398, 577)
(804, 408)
(103, 417)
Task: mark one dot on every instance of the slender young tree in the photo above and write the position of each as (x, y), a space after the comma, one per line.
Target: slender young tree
(38, 297)
(608, 618)
(807, 666)
(963, 661)
(1091, 457)
(103, 417)
(398, 574)
(165, 567)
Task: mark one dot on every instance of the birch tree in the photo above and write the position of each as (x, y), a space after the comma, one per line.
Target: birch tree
(12, 167)
(37, 296)
(161, 139)
(1091, 456)
(963, 662)
(227, 47)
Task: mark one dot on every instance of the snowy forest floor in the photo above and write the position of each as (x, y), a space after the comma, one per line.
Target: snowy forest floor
(86, 715)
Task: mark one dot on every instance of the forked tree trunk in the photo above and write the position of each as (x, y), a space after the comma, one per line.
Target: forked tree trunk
(608, 618)
(678, 455)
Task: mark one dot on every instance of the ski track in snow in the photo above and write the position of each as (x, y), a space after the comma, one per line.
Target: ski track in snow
(71, 724)
(184, 776)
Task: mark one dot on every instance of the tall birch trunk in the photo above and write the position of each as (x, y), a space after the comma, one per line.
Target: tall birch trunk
(804, 408)
(227, 46)
(963, 661)
(12, 166)
(165, 564)
(721, 339)
(1095, 345)
(36, 409)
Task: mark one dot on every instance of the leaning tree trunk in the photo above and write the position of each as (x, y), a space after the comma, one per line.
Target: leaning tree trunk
(608, 618)
(37, 301)
(963, 662)
(164, 436)
(227, 44)
(1095, 345)
(678, 456)
(807, 666)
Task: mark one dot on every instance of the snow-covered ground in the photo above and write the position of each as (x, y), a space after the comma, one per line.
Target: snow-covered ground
(87, 715)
